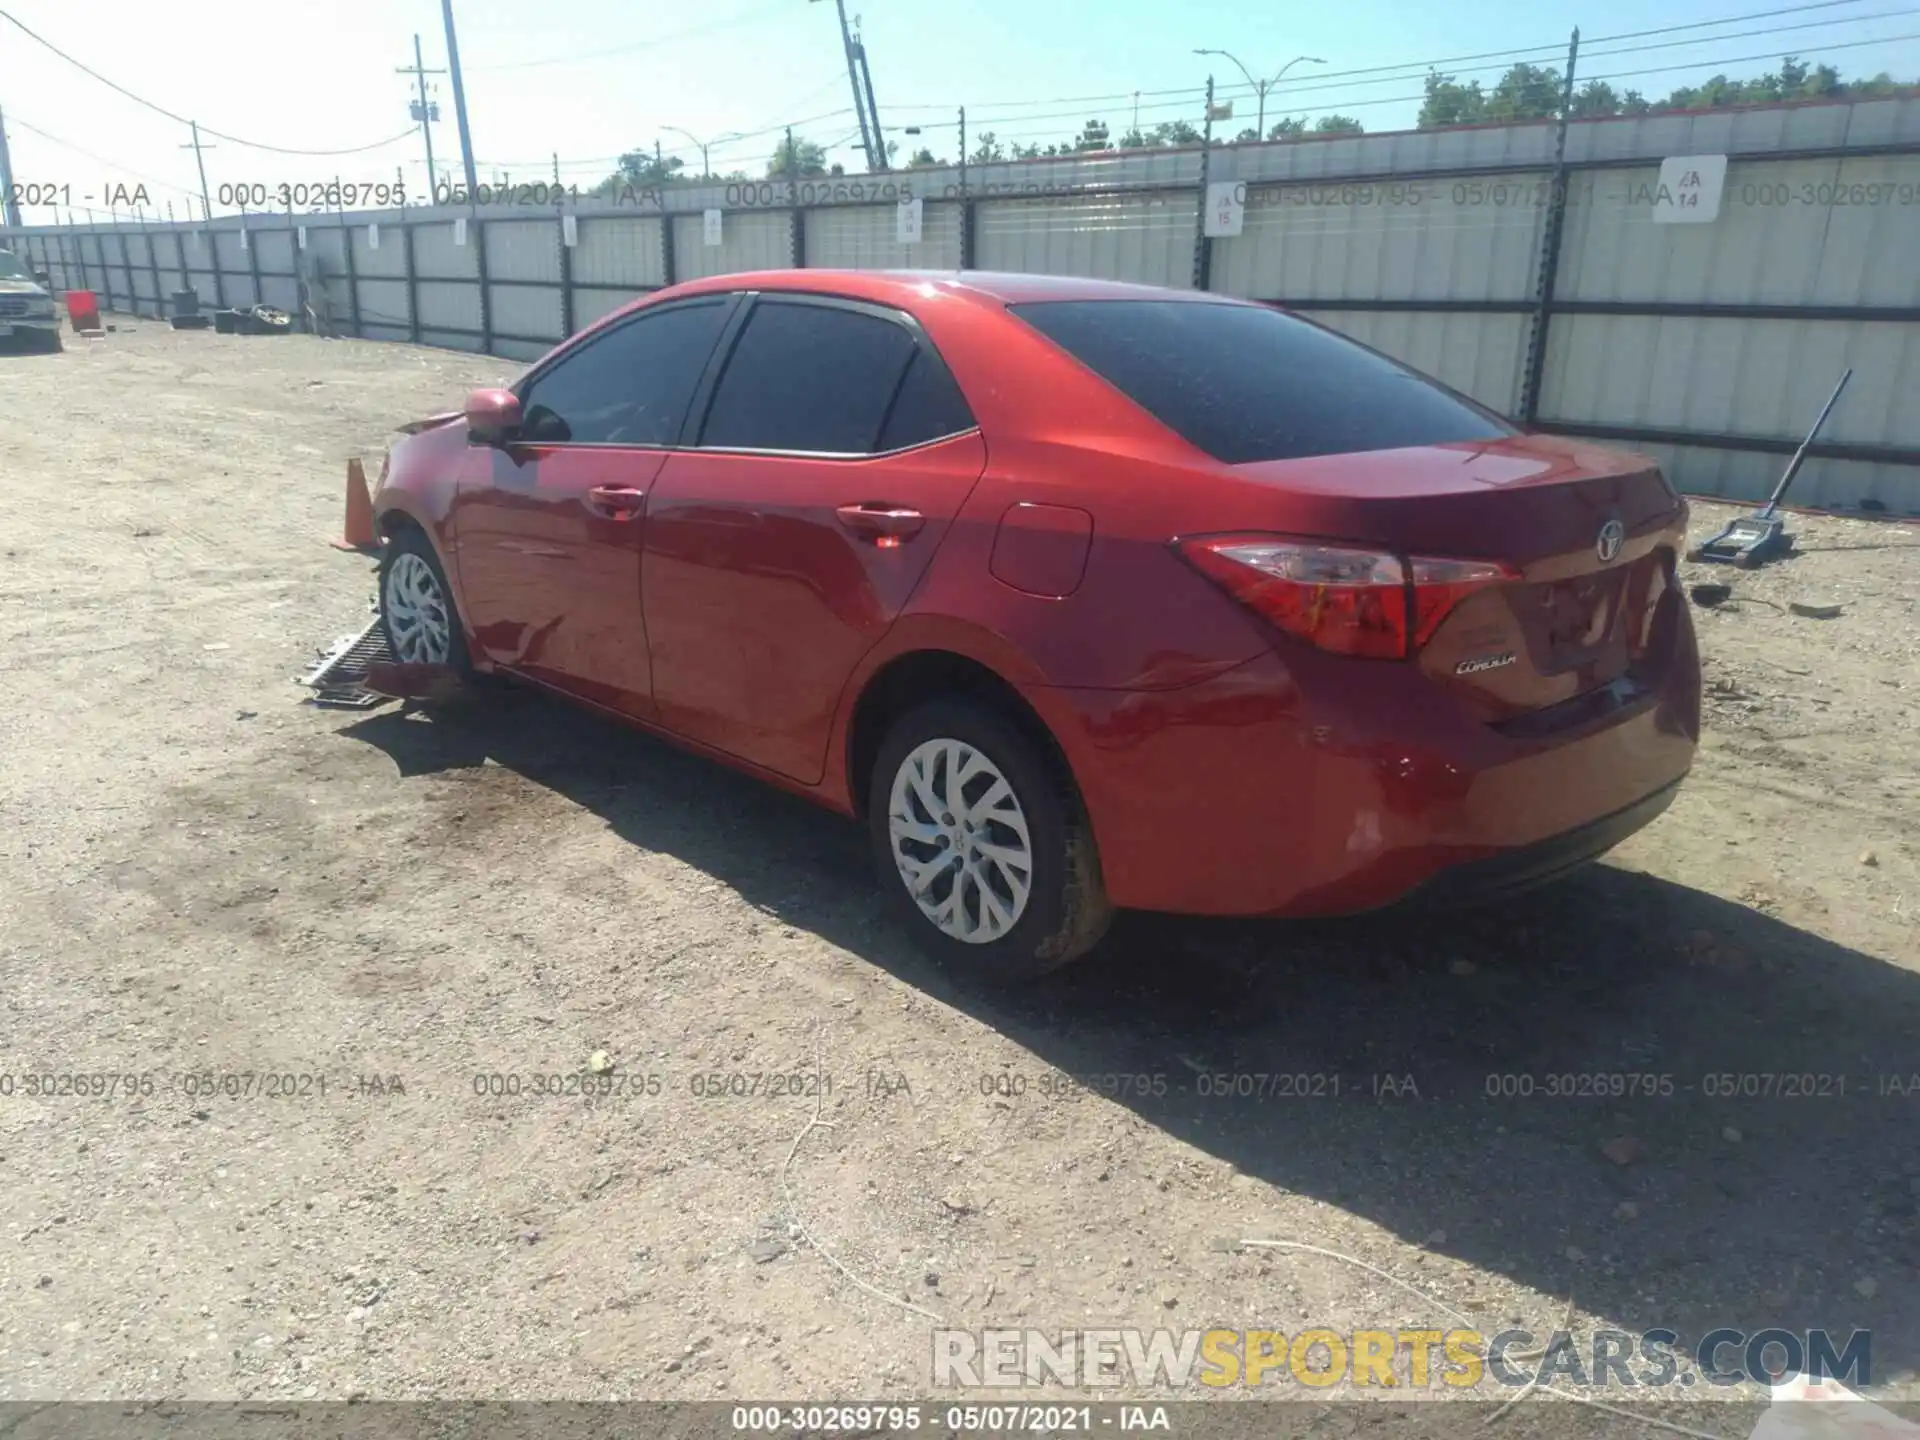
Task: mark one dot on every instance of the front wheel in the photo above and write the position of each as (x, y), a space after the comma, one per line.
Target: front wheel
(416, 605)
(984, 843)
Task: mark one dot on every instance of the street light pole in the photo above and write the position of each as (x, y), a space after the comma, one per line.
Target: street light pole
(704, 146)
(1261, 87)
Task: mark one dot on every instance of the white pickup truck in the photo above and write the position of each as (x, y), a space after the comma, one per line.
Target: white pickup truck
(27, 311)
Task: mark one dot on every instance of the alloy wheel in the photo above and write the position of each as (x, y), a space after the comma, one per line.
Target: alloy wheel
(417, 613)
(960, 840)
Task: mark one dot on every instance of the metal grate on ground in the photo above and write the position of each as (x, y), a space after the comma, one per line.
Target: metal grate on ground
(336, 681)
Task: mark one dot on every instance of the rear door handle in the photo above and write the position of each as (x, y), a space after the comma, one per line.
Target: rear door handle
(620, 502)
(881, 521)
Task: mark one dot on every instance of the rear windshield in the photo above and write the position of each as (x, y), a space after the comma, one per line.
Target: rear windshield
(1245, 383)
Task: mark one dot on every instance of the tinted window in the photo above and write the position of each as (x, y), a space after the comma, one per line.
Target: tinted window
(1245, 383)
(927, 406)
(808, 377)
(627, 387)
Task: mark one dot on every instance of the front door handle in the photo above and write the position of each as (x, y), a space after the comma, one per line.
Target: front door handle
(882, 522)
(619, 502)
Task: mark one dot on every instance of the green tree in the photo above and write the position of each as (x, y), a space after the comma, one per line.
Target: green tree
(1093, 136)
(1525, 92)
(1174, 132)
(1450, 103)
(1338, 125)
(797, 158)
(921, 158)
(1286, 129)
(987, 151)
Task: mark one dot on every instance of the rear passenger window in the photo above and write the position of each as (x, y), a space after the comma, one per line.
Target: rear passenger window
(928, 406)
(815, 378)
(1245, 383)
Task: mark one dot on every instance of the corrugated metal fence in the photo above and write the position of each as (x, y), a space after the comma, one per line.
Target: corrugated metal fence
(1543, 287)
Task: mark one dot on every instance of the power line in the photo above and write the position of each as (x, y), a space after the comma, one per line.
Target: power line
(100, 159)
(1701, 64)
(1587, 54)
(1543, 52)
(181, 119)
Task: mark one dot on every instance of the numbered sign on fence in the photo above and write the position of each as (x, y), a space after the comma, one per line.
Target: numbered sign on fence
(301, 233)
(710, 227)
(460, 230)
(243, 237)
(373, 237)
(1688, 191)
(907, 220)
(1226, 208)
(569, 230)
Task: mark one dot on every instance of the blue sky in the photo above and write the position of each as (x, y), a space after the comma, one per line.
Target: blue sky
(590, 78)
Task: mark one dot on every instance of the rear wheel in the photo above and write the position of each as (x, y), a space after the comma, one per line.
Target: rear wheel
(416, 605)
(984, 843)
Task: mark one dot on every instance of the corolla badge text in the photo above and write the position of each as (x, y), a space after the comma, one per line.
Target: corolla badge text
(1484, 662)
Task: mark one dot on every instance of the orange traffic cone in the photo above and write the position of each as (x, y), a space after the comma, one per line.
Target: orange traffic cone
(358, 531)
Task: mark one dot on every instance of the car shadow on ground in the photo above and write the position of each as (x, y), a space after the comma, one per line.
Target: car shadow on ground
(1429, 1050)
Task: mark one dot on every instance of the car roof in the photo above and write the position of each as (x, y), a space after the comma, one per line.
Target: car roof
(899, 286)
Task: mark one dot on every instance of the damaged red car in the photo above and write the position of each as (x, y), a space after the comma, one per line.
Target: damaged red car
(1080, 595)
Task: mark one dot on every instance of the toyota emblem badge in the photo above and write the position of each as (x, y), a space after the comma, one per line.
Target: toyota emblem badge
(1612, 536)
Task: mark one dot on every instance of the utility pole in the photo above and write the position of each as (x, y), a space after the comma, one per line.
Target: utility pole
(881, 163)
(460, 102)
(423, 111)
(12, 208)
(206, 205)
(863, 105)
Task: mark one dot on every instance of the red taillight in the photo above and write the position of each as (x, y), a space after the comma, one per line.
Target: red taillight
(1350, 601)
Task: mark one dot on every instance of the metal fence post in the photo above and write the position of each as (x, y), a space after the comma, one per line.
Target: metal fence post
(479, 229)
(797, 237)
(353, 278)
(566, 273)
(126, 267)
(667, 266)
(219, 278)
(413, 288)
(252, 240)
(180, 254)
(153, 265)
(1202, 246)
(1550, 238)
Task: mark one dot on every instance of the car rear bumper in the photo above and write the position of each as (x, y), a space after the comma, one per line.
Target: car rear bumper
(1522, 868)
(1248, 794)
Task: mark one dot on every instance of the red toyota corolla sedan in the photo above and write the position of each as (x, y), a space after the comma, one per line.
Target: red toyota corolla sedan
(1083, 595)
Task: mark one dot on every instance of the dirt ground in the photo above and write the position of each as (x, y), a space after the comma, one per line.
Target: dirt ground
(201, 876)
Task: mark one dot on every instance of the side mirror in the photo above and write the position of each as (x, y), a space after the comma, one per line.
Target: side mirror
(493, 417)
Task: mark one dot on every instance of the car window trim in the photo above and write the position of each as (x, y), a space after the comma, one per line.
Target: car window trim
(729, 303)
(692, 434)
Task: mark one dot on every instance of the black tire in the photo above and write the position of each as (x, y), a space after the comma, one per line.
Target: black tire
(50, 343)
(411, 541)
(1066, 910)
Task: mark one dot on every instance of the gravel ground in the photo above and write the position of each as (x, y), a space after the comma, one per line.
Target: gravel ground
(200, 876)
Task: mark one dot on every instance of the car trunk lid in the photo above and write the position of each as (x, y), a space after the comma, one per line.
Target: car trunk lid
(1589, 533)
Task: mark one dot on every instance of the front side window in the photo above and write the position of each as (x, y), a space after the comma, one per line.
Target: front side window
(630, 386)
(11, 268)
(812, 378)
